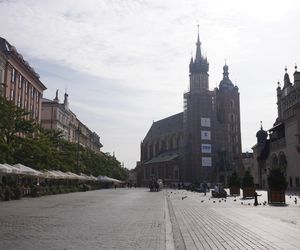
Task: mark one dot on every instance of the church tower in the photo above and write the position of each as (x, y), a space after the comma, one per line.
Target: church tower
(198, 121)
(198, 70)
(229, 139)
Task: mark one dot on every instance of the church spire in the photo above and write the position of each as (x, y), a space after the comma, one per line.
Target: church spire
(198, 47)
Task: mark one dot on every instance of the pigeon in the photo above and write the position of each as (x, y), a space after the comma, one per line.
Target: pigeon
(290, 197)
(242, 203)
(225, 200)
(248, 204)
(214, 201)
(202, 201)
(219, 200)
(234, 200)
(184, 197)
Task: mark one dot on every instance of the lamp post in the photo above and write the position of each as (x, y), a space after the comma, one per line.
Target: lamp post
(78, 135)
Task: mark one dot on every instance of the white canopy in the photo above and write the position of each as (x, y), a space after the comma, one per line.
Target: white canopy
(5, 169)
(14, 170)
(108, 179)
(27, 170)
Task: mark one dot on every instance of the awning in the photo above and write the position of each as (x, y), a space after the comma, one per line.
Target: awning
(14, 170)
(27, 170)
(108, 179)
(5, 169)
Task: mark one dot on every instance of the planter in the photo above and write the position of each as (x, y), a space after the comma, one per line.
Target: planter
(234, 190)
(248, 192)
(276, 197)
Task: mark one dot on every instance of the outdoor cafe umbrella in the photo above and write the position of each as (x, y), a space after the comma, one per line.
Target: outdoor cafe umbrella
(5, 169)
(14, 170)
(27, 170)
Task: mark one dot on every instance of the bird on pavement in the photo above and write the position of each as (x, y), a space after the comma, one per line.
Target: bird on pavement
(184, 197)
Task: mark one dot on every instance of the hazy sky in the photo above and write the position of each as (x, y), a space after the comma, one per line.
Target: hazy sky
(125, 63)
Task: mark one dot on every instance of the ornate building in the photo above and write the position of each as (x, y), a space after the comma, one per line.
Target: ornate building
(203, 143)
(282, 148)
(19, 82)
(58, 116)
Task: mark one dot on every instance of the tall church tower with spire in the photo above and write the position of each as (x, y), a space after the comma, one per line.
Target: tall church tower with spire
(199, 121)
(202, 143)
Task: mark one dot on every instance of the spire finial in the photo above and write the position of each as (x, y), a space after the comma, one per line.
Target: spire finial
(225, 61)
(295, 66)
(198, 47)
(261, 126)
(285, 69)
(56, 96)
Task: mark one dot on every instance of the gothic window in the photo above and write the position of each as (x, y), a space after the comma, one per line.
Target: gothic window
(274, 161)
(291, 181)
(231, 104)
(282, 161)
(231, 117)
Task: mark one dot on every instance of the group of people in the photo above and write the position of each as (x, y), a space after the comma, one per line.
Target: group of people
(154, 185)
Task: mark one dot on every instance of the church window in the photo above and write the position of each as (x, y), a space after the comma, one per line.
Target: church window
(231, 104)
(297, 181)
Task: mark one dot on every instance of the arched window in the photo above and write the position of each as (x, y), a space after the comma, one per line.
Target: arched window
(274, 161)
(231, 104)
(176, 173)
(282, 162)
(231, 117)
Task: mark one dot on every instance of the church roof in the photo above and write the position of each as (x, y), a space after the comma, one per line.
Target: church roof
(165, 157)
(169, 125)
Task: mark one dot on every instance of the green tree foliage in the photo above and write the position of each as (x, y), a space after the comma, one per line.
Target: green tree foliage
(22, 141)
(276, 179)
(234, 180)
(248, 180)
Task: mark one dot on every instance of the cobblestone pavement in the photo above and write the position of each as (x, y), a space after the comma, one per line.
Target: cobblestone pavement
(104, 219)
(207, 223)
(139, 219)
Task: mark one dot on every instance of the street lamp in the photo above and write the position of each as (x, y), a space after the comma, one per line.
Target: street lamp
(78, 134)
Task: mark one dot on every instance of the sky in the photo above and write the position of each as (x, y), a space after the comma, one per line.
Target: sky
(124, 63)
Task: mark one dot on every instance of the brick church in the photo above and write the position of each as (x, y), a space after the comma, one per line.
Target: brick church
(202, 143)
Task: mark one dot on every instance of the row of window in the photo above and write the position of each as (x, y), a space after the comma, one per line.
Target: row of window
(297, 182)
(24, 93)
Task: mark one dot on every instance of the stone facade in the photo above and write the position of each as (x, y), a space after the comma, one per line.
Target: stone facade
(281, 147)
(19, 81)
(203, 143)
(58, 116)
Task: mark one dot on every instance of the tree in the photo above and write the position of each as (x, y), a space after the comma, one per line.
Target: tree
(234, 180)
(13, 124)
(248, 180)
(276, 179)
(23, 141)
